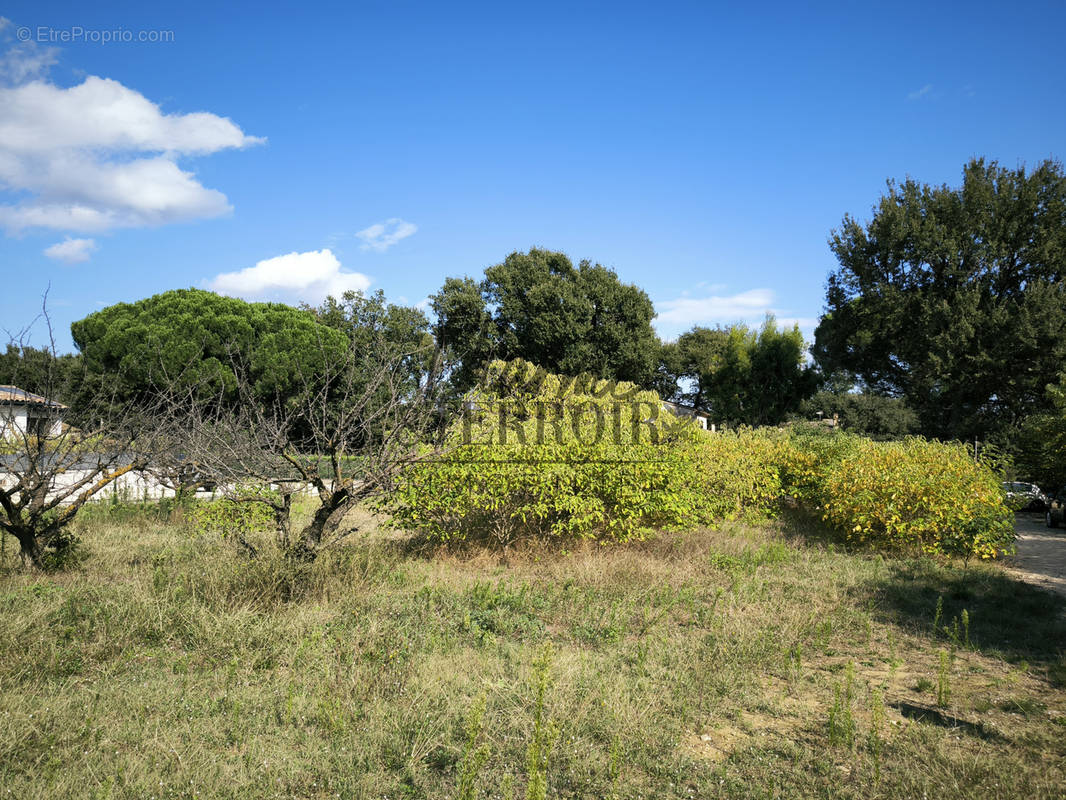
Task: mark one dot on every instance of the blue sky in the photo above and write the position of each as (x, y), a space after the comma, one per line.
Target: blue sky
(704, 151)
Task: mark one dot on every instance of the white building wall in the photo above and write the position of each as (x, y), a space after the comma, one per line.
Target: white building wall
(15, 419)
(12, 420)
(131, 487)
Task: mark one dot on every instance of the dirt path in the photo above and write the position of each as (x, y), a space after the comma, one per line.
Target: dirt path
(1041, 557)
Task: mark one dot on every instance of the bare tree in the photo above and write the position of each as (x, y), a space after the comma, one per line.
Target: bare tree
(341, 433)
(49, 469)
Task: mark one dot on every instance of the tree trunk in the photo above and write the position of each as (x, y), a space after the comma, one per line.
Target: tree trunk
(281, 521)
(29, 550)
(326, 518)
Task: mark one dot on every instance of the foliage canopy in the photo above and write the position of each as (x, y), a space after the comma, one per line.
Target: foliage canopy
(953, 297)
(202, 339)
(736, 374)
(539, 307)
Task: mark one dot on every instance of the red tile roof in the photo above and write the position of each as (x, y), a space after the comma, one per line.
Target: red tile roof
(14, 396)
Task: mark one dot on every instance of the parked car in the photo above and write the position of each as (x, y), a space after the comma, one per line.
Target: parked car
(1056, 509)
(1022, 496)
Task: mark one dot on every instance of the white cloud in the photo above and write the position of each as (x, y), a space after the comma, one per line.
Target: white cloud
(23, 61)
(750, 308)
(102, 113)
(383, 235)
(99, 155)
(71, 251)
(920, 93)
(304, 276)
(26, 61)
(684, 312)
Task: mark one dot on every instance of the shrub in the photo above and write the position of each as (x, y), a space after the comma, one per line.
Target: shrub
(912, 494)
(537, 455)
(236, 517)
(807, 456)
(735, 473)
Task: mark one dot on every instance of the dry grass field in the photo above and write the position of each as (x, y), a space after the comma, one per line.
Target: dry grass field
(759, 660)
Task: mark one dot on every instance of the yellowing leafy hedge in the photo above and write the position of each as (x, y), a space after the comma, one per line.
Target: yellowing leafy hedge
(907, 495)
(537, 455)
(734, 473)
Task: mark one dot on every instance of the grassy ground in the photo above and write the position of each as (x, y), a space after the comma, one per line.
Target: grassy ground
(752, 661)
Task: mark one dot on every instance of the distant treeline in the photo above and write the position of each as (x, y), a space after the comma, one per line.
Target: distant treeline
(946, 316)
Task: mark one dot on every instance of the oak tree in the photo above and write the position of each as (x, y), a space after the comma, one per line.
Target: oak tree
(539, 307)
(953, 297)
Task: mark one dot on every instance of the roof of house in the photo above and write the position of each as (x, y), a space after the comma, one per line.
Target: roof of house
(14, 396)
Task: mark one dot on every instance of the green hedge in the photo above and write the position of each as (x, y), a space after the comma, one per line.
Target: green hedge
(537, 455)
